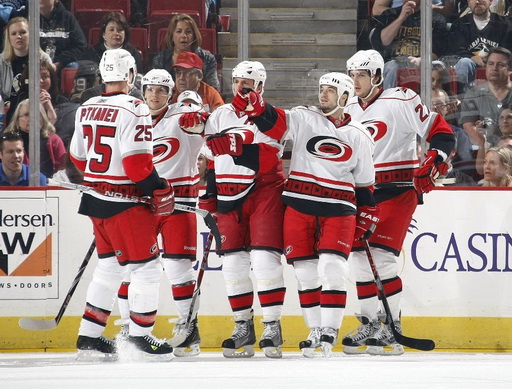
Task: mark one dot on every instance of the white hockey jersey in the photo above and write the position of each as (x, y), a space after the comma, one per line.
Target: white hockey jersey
(236, 176)
(175, 153)
(108, 129)
(328, 162)
(394, 118)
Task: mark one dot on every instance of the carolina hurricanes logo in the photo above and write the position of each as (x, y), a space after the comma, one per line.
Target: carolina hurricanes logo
(329, 148)
(165, 148)
(377, 129)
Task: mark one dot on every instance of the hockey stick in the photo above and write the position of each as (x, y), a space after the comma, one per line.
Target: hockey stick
(419, 344)
(207, 216)
(48, 324)
(194, 306)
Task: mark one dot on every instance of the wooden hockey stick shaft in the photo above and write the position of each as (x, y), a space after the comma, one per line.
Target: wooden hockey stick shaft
(419, 344)
(48, 324)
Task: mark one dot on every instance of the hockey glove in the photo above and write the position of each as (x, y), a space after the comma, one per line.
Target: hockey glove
(366, 220)
(193, 122)
(249, 102)
(425, 177)
(225, 143)
(208, 203)
(162, 202)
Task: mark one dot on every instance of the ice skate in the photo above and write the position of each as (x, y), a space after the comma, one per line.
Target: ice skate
(355, 342)
(309, 346)
(328, 340)
(383, 342)
(151, 348)
(101, 348)
(190, 346)
(272, 339)
(243, 337)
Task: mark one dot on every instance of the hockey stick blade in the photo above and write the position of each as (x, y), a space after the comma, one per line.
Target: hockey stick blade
(48, 324)
(208, 218)
(194, 306)
(418, 344)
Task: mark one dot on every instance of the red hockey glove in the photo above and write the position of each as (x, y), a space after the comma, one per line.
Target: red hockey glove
(225, 143)
(162, 202)
(366, 220)
(193, 122)
(249, 102)
(425, 177)
(208, 203)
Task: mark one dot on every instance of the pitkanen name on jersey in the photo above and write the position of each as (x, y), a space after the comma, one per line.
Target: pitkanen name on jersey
(25, 220)
(99, 113)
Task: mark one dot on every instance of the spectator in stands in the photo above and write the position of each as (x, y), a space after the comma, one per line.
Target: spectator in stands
(446, 7)
(504, 124)
(51, 148)
(10, 9)
(183, 36)
(13, 172)
(202, 165)
(114, 34)
(505, 141)
(60, 35)
(481, 104)
(49, 93)
(13, 61)
(189, 75)
(474, 35)
(69, 173)
(397, 37)
(498, 167)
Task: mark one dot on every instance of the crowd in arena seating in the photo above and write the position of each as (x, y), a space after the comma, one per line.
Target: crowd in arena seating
(471, 76)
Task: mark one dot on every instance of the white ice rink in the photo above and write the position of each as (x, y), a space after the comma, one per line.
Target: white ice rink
(212, 370)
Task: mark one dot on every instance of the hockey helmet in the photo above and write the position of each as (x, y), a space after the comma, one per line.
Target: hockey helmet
(370, 60)
(116, 64)
(190, 96)
(252, 70)
(341, 82)
(157, 77)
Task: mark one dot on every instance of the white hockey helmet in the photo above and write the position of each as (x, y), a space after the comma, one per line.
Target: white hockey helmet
(370, 60)
(157, 77)
(342, 83)
(190, 95)
(252, 70)
(116, 64)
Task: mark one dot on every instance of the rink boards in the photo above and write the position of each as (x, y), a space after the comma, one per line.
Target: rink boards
(456, 266)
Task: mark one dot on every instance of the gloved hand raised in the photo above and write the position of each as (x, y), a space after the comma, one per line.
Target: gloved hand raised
(193, 122)
(366, 220)
(426, 175)
(249, 102)
(225, 143)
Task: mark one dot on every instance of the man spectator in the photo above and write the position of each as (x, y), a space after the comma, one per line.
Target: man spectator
(474, 35)
(481, 104)
(398, 34)
(189, 76)
(13, 172)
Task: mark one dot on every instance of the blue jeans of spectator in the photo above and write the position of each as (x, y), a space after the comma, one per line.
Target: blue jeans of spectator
(466, 70)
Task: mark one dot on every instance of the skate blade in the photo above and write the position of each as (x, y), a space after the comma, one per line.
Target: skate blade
(273, 352)
(393, 349)
(312, 352)
(190, 351)
(95, 356)
(355, 350)
(245, 352)
(327, 349)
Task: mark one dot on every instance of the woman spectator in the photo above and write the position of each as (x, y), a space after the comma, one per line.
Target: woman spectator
(114, 34)
(13, 60)
(49, 92)
(183, 35)
(498, 167)
(52, 148)
(60, 35)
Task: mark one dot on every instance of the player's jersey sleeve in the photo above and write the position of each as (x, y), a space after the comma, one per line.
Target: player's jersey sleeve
(364, 172)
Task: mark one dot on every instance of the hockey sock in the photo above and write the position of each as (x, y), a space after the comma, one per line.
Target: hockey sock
(180, 274)
(333, 272)
(309, 291)
(239, 288)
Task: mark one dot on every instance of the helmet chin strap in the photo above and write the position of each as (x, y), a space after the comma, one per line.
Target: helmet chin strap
(373, 88)
(338, 106)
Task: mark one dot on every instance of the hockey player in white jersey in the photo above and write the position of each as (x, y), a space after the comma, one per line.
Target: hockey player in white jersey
(112, 145)
(246, 195)
(328, 195)
(395, 117)
(175, 158)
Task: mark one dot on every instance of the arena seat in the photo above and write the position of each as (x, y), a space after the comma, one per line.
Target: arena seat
(67, 81)
(79, 5)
